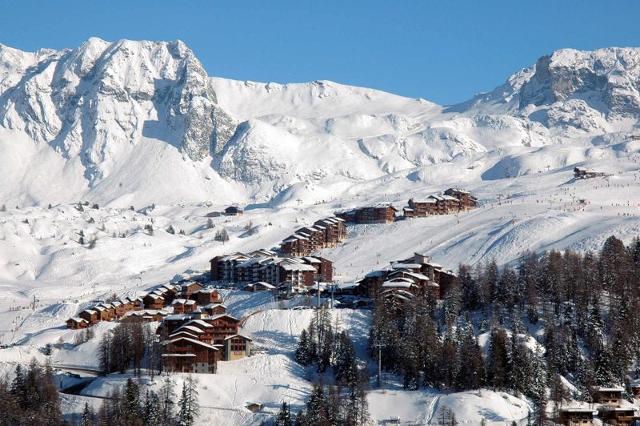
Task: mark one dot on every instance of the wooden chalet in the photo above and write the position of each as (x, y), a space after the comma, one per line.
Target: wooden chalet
(383, 213)
(323, 268)
(145, 315)
(103, 313)
(120, 308)
(619, 416)
(296, 245)
(223, 268)
(110, 311)
(610, 396)
(76, 323)
(184, 306)
(323, 233)
(334, 229)
(222, 326)
(187, 355)
(213, 309)
(89, 315)
(206, 296)
(417, 275)
(467, 201)
(189, 288)
(135, 303)
(423, 208)
(296, 272)
(169, 292)
(153, 301)
(578, 416)
(265, 266)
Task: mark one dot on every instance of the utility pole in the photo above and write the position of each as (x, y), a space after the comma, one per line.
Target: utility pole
(379, 345)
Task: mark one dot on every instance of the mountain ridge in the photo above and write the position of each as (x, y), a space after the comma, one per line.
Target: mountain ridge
(94, 104)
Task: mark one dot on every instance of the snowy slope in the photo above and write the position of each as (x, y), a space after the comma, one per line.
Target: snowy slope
(117, 121)
(140, 124)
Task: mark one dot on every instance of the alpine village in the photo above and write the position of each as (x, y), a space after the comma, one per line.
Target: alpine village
(426, 320)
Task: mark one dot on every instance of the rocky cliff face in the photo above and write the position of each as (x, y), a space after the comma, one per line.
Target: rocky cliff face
(93, 101)
(571, 89)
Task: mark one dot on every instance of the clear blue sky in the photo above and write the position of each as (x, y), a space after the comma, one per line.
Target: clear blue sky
(444, 51)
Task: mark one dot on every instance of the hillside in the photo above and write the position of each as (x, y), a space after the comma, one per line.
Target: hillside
(140, 129)
(116, 121)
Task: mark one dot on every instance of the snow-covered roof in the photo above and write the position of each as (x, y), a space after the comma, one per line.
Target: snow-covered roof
(77, 319)
(154, 296)
(199, 323)
(195, 342)
(264, 284)
(458, 190)
(399, 265)
(177, 317)
(215, 317)
(238, 335)
(398, 283)
(311, 259)
(172, 335)
(291, 266)
(415, 275)
(214, 305)
(191, 328)
(610, 389)
(184, 302)
(183, 355)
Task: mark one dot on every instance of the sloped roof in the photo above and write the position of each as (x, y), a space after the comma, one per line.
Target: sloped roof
(195, 342)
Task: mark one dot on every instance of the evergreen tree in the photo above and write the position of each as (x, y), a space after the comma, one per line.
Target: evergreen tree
(303, 350)
(317, 412)
(498, 362)
(284, 416)
(188, 403)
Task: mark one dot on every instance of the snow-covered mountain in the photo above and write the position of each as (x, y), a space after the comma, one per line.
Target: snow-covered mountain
(139, 120)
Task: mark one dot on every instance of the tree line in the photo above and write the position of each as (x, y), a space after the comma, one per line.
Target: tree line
(342, 402)
(585, 304)
(31, 398)
(130, 407)
(131, 344)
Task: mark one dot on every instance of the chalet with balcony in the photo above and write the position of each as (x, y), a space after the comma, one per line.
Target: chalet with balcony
(187, 355)
(213, 309)
(610, 396)
(153, 301)
(184, 306)
(89, 315)
(467, 201)
(224, 268)
(576, 416)
(76, 323)
(206, 296)
(382, 213)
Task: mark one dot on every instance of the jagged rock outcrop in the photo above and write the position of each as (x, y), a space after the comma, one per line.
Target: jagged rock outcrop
(94, 100)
